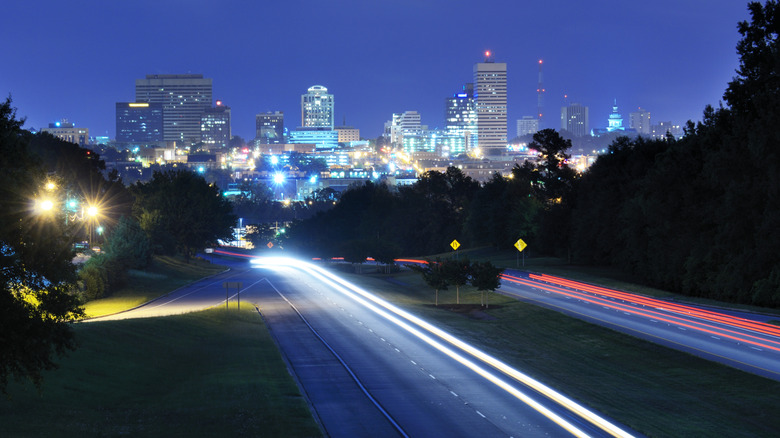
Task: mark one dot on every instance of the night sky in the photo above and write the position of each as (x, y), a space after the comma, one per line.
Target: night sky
(75, 60)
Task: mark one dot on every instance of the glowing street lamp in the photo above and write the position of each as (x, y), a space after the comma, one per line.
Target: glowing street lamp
(45, 205)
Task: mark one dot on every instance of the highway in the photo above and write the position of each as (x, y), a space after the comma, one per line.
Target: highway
(370, 369)
(741, 340)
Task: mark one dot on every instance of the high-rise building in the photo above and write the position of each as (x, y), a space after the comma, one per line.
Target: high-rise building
(527, 125)
(639, 121)
(317, 108)
(406, 123)
(574, 118)
(139, 122)
(67, 131)
(215, 127)
(460, 119)
(490, 104)
(184, 99)
(269, 128)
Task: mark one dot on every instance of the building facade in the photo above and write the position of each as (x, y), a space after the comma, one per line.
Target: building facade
(527, 125)
(269, 128)
(347, 134)
(491, 105)
(139, 122)
(215, 130)
(639, 121)
(404, 124)
(317, 108)
(574, 118)
(460, 119)
(67, 131)
(184, 99)
(323, 138)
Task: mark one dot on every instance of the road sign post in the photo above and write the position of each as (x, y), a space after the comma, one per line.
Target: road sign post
(230, 284)
(520, 245)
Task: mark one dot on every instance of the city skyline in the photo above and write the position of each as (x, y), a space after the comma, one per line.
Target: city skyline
(668, 58)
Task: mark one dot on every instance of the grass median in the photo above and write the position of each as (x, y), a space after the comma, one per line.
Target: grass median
(211, 373)
(655, 390)
(164, 275)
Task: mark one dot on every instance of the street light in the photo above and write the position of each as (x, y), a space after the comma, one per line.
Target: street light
(92, 212)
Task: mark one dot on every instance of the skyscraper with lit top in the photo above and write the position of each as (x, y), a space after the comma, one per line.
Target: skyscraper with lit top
(317, 108)
(490, 103)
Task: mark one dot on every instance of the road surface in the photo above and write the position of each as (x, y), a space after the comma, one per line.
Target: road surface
(741, 340)
(369, 369)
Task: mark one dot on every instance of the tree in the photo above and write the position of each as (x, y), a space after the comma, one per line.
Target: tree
(180, 211)
(555, 175)
(36, 273)
(485, 277)
(456, 272)
(384, 252)
(433, 275)
(128, 244)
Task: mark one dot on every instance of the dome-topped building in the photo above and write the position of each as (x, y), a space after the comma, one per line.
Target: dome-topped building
(614, 124)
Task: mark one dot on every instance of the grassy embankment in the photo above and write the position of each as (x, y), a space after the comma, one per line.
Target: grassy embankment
(211, 373)
(164, 275)
(653, 389)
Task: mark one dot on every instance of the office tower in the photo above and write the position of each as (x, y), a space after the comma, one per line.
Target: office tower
(490, 102)
(67, 131)
(406, 123)
(139, 122)
(639, 121)
(317, 108)
(527, 125)
(184, 99)
(215, 127)
(574, 118)
(269, 128)
(460, 119)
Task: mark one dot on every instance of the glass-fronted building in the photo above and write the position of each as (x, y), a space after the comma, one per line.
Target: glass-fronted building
(269, 128)
(215, 127)
(139, 122)
(184, 99)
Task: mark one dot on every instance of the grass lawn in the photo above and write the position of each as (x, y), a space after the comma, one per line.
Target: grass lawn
(655, 390)
(164, 275)
(209, 373)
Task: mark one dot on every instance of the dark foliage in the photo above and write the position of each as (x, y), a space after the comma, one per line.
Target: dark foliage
(181, 212)
(36, 273)
(698, 215)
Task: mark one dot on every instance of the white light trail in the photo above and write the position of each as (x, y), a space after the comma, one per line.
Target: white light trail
(367, 299)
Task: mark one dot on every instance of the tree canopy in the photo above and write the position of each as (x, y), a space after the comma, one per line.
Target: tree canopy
(36, 273)
(181, 212)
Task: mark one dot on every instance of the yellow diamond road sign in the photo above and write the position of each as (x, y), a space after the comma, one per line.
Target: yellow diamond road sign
(455, 244)
(520, 245)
